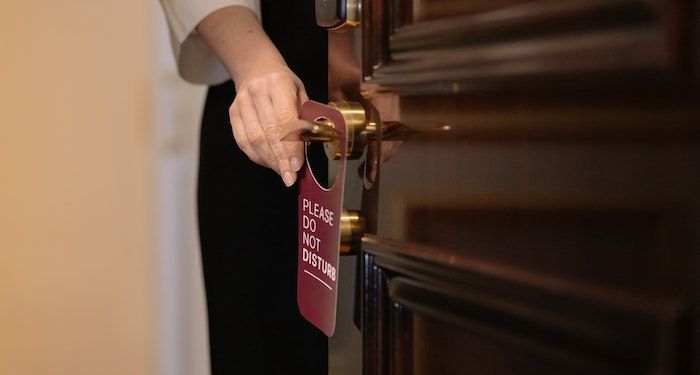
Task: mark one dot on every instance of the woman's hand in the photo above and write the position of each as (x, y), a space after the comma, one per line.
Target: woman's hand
(268, 92)
(264, 104)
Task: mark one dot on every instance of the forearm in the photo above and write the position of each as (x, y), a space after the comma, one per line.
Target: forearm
(238, 39)
(268, 93)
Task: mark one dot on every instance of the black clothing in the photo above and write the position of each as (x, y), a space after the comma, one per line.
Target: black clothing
(248, 225)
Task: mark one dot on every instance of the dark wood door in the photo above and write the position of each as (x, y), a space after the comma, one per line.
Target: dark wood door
(554, 226)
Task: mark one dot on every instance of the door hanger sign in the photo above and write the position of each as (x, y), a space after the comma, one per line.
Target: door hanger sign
(319, 231)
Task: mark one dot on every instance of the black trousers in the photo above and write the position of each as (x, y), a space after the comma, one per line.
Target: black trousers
(248, 229)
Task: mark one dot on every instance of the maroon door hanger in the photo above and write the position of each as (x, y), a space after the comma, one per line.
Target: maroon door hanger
(319, 231)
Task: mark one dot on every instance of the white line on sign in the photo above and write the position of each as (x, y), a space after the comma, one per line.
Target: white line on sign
(319, 280)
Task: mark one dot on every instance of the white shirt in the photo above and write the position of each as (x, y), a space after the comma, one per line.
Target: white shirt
(196, 62)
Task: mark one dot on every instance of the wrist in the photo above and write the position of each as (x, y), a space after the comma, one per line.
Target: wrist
(259, 62)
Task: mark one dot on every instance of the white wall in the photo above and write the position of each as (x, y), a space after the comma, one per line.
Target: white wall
(76, 189)
(183, 341)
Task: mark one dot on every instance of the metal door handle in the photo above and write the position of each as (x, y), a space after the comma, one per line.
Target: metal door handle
(361, 127)
(362, 122)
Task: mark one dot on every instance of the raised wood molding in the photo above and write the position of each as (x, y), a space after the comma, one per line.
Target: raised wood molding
(538, 17)
(522, 44)
(596, 329)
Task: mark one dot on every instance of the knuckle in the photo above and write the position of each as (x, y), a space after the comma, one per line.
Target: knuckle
(257, 141)
(256, 86)
(241, 96)
(285, 115)
(255, 158)
(278, 76)
(284, 86)
(272, 132)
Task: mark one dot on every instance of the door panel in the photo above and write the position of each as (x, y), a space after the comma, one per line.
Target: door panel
(448, 47)
(551, 225)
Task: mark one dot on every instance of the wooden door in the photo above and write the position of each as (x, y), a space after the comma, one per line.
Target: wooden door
(554, 227)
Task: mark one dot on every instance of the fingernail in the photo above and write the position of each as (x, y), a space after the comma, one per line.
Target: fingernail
(295, 163)
(288, 179)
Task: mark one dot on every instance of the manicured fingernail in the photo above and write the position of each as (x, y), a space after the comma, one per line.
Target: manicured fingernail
(295, 163)
(288, 179)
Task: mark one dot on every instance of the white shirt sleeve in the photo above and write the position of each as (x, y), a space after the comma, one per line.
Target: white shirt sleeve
(196, 62)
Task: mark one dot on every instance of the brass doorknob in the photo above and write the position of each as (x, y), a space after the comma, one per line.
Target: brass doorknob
(352, 228)
(362, 123)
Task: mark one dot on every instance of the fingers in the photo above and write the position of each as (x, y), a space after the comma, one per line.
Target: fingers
(242, 139)
(297, 149)
(271, 132)
(253, 143)
(301, 94)
(285, 101)
(262, 107)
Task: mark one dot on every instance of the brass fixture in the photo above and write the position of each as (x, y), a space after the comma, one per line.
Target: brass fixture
(352, 228)
(362, 122)
(338, 14)
(358, 128)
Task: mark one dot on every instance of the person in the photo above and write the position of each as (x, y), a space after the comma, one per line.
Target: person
(262, 60)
